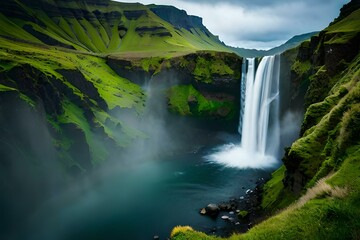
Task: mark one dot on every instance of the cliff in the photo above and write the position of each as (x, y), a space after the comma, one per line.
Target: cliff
(105, 27)
(315, 194)
(77, 83)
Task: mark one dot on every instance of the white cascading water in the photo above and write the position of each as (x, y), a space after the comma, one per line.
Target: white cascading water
(259, 118)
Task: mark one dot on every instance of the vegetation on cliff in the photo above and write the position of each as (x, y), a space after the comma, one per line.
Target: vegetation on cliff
(103, 27)
(323, 164)
(61, 57)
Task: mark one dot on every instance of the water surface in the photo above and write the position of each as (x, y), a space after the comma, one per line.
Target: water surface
(142, 200)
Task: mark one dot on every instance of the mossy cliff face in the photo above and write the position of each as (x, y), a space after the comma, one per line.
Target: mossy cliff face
(205, 85)
(329, 65)
(56, 57)
(77, 97)
(328, 68)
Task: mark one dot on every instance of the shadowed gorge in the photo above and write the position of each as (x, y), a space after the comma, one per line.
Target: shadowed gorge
(124, 120)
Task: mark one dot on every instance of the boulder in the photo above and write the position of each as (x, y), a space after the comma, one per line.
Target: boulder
(212, 210)
(225, 207)
(203, 211)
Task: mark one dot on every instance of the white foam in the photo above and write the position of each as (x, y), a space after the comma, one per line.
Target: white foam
(234, 156)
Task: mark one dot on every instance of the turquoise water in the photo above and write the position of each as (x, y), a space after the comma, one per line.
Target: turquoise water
(141, 200)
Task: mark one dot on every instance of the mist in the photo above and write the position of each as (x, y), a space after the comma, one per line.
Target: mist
(234, 156)
(290, 125)
(29, 169)
(161, 172)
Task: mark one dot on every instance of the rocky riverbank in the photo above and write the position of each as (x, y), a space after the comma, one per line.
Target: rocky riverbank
(240, 213)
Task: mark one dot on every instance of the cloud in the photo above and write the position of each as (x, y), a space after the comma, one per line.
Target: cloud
(259, 23)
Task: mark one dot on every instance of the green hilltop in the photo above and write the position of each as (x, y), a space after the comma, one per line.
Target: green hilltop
(104, 27)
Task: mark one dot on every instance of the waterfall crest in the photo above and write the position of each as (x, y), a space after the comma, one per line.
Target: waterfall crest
(259, 123)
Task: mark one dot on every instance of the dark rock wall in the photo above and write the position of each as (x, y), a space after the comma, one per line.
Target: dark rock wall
(181, 71)
(327, 60)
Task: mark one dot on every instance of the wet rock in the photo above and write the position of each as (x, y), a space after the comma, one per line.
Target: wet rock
(203, 211)
(225, 217)
(225, 207)
(212, 210)
(248, 191)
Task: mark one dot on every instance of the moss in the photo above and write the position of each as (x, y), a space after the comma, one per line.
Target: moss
(187, 233)
(27, 100)
(117, 130)
(301, 68)
(6, 65)
(329, 143)
(99, 34)
(151, 64)
(74, 114)
(319, 86)
(207, 67)
(274, 195)
(4, 88)
(243, 214)
(186, 100)
(115, 90)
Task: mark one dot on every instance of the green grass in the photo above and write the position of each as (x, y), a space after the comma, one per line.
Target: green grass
(117, 130)
(186, 100)
(344, 30)
(330, 144)
(4, 88)
(348, 24)
(73, 114)
(275, 196)
(301, 68)
(11, 29)
(206, 68)
(97, 35)
(116, 91)
(324, 217)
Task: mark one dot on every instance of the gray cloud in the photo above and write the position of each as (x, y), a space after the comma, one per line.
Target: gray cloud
(259, 23)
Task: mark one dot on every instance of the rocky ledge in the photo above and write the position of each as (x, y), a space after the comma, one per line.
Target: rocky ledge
(240, 213)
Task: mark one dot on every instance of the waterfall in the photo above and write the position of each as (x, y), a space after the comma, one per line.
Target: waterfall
(259, 122)
(261, 111)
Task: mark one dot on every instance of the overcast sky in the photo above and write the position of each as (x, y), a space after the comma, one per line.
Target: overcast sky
(260, 24)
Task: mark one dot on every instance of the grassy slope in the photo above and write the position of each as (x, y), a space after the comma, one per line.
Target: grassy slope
(326, 216)
(331, 144)
(116, 91)
(101, 33)
(92, 31)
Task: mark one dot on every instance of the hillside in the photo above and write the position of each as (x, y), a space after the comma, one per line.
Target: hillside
(72, 61)
(291, 43)
(103, 26)
(76, 88)
(316, 193)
